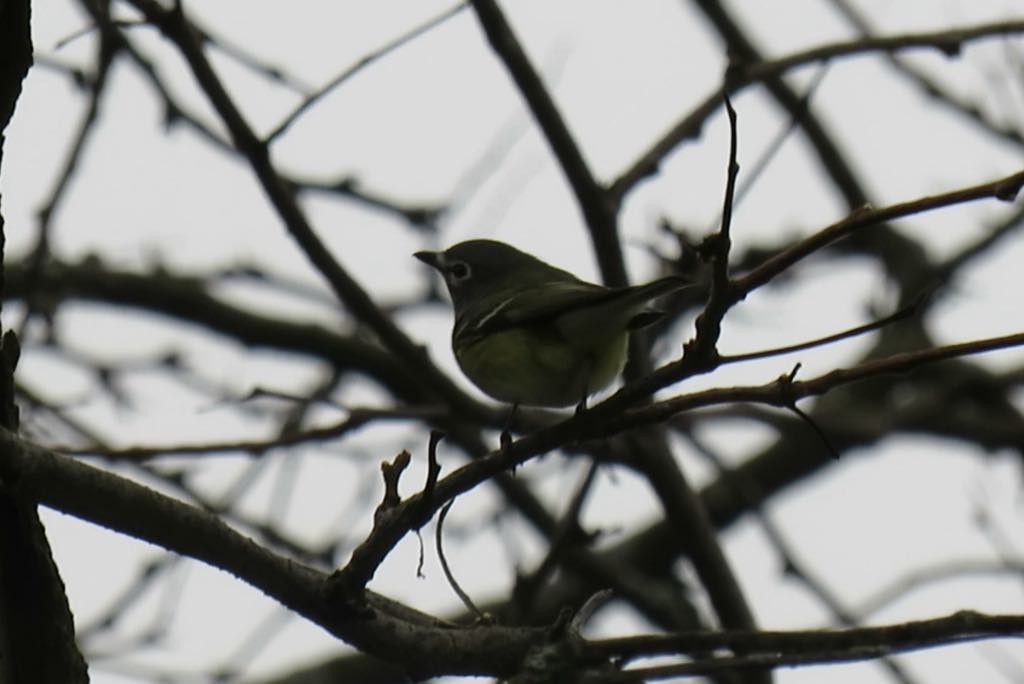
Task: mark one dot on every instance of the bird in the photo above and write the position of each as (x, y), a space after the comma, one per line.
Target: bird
(529, 333)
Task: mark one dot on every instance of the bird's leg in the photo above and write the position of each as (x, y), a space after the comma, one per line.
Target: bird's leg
(506, 437)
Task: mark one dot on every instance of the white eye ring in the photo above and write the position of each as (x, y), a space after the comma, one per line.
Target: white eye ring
(459, 271)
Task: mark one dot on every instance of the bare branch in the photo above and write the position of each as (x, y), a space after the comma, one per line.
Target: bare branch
(598, 211)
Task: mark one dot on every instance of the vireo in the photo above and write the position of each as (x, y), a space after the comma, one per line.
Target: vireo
(529, 333)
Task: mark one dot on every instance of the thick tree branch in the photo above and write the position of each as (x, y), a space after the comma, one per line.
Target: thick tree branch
(811, 647)
(425, 646)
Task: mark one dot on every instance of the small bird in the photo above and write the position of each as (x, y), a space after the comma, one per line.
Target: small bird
(528, 333)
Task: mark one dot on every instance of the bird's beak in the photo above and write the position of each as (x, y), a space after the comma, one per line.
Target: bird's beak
(432, 259)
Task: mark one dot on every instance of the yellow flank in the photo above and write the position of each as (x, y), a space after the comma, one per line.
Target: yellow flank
(519, 366)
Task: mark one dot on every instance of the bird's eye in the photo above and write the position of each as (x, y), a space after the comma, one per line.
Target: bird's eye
(459, 270)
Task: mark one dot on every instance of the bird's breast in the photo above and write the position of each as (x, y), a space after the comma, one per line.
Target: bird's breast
(539, 368)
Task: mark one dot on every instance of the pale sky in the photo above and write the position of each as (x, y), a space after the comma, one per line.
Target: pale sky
(412, 127)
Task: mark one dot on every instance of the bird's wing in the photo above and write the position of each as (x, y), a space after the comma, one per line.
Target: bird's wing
(567, 303)
(623, 309)
(542, 303)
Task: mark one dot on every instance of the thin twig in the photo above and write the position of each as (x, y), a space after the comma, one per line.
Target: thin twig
(357, 418)
(901, 314)
(761, 71)
(361, 64)
(463, 596)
